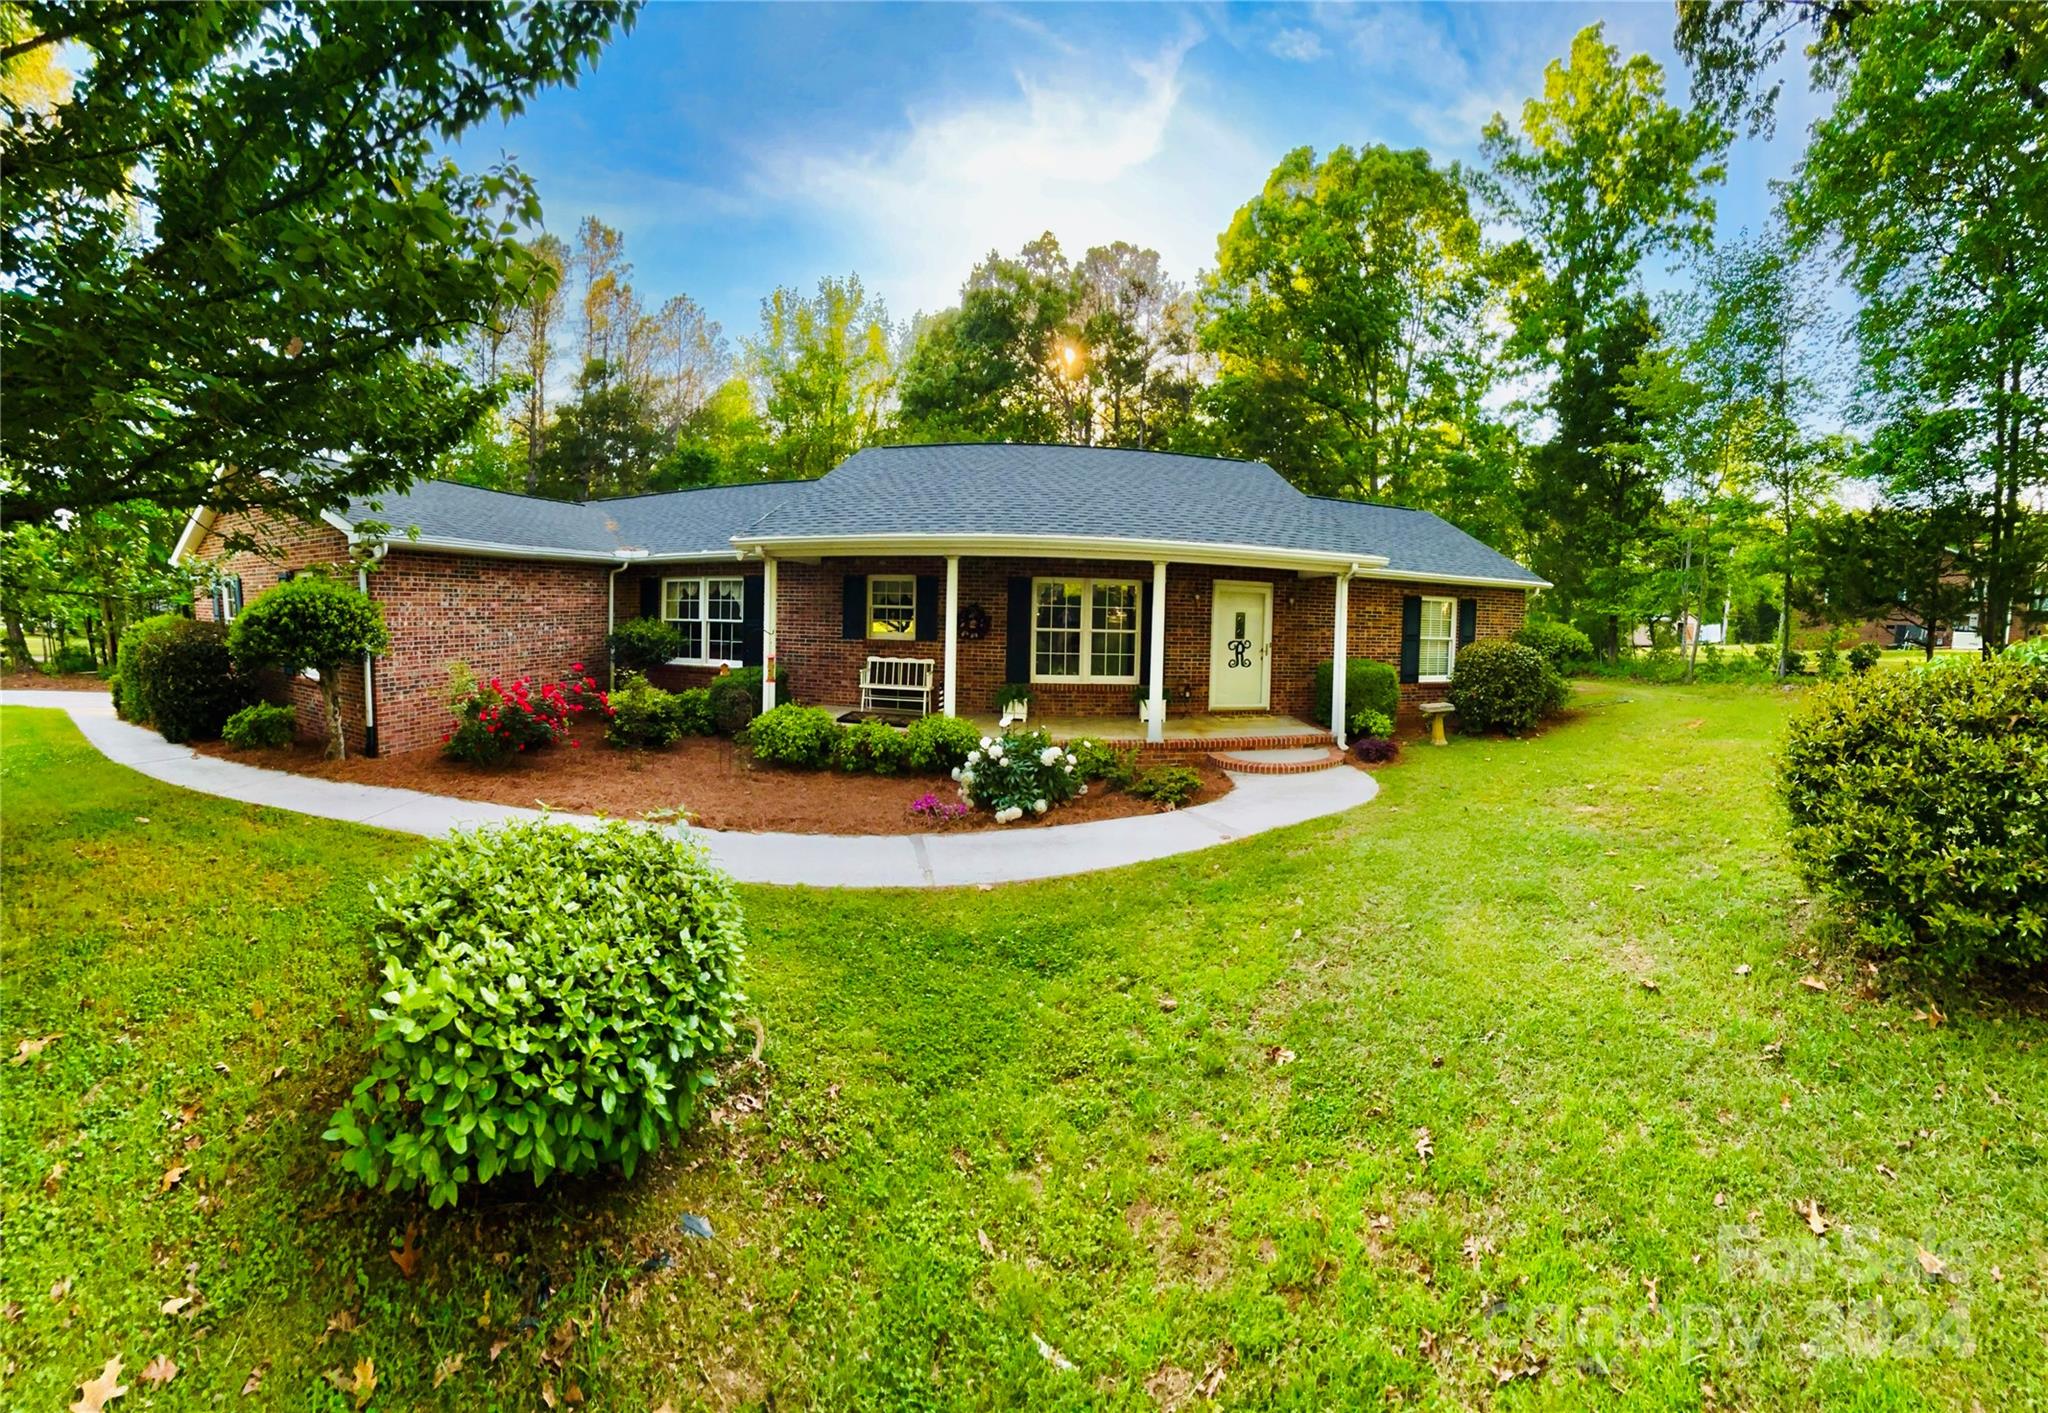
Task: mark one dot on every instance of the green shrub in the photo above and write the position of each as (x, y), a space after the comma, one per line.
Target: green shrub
(1863, 657)
(1368, 686)
(130, 703)
(1371, 725)
(643, 716)
(640, 644)
(1499, 686)
(1114, 766)
(1375, 750)
(693, 711)
(939, 742)
(261, 727)
(185, 680)
(793, 735)
(1919, 801)
(72, 657)
(1564, 647)
(551, 1000)
(873, 746)
(1795, 664)
(1168, 786)
(2034, 650)
(311, 622)
(1019, 773)
(735, 698)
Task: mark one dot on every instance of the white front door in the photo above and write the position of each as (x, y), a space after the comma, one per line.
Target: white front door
(1241, 647)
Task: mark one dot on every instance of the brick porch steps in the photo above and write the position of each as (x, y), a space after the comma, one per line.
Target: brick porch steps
(1294, 760)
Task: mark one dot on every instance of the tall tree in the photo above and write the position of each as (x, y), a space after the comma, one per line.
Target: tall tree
(1340, 291)
(1600, 175)
(227, 249)
(825, 370)
(536, 323)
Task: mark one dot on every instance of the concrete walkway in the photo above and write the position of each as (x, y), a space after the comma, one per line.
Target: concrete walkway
(1258, 803)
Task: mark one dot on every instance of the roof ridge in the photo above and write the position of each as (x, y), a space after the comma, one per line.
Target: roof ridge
(1375, 504)
(692, 490)
(1066, 446)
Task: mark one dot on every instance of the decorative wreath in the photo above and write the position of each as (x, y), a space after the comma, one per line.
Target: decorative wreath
(973, 622)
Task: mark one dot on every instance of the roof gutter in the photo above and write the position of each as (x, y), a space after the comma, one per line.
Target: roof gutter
(1417, 576)
(1062, 547)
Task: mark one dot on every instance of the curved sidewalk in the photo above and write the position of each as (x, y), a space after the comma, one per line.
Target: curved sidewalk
(1258, 803)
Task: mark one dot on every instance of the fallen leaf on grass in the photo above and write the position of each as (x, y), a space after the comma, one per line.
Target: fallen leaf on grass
(256, 1009)
(1887, 1173)
(1813, 983)
(1167, 1003)
(1425, 1145)
(59, 1290)
(1281, 1055)
(988, 1248)
(11, 1312)
(342, 1322)
(159, 1370)
(1815, 1222)
(1648, 983)
(1212, 1381)
(1931, 1015)
(255, 1379)
(28, 1049)
(446, 1369)
(1932, 1264)
(366, 1380)
(96, 1394)
(175, 1305)
(1049, 1354)
(407, 1257)
(1742, 970)
(173, 1175)
(1720, 1199)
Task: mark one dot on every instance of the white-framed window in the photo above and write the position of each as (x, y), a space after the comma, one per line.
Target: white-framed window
(707, 614)
(227, 598)
(1437, 640)
(1084, 630)
(892, 606)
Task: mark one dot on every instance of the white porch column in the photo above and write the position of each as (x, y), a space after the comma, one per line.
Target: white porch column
(1340, 641)
(950, 706)
(769, 586)
(1155, 705)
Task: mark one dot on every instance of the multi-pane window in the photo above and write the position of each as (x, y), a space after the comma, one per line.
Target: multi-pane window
(227, 599)
(706, 614)
(892, 607)
(1084, 630)
(1437, 639)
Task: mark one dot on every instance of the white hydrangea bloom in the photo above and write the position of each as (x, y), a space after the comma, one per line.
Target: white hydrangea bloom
(986, 743)
(974, 757)
(1038, 806)
(1049, 755)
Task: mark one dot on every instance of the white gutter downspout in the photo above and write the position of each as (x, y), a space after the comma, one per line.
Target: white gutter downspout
(369, 668)
(627, 559)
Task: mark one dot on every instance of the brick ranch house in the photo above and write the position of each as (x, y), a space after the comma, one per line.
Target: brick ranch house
(1117, 583)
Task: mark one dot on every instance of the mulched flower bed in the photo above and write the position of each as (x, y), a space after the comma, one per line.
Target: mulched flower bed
(42, 682)
(717, 782)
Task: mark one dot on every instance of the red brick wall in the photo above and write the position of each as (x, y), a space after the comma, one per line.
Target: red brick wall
(503, 617)
(1376, 622)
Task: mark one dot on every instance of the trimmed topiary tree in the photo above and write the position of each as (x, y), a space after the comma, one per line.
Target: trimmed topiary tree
(552, 1000)
(311, 622)
(1919, 802)
(1504, 687)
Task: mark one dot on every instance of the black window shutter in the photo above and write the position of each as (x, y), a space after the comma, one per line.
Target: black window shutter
(853, 607)
(1468, 620)
(650, 597)
(1017, 657)
(1411, 637)
(927, 608)
(752, 601)
(1145, 635)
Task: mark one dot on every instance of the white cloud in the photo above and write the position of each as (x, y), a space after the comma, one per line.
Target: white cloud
(1090, 156)
(1303, 46)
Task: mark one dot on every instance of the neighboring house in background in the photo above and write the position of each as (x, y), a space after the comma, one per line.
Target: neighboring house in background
(1114, 582)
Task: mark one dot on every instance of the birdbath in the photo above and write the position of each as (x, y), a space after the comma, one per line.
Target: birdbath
(1436, 712)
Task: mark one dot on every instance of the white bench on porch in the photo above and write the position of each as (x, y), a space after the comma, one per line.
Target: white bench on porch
(897, 685)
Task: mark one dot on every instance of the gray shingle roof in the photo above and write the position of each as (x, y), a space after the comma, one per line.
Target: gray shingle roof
(963, 490)
(1417, 542)
(1052, 491)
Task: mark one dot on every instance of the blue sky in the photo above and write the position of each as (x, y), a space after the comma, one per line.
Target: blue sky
(740, 147)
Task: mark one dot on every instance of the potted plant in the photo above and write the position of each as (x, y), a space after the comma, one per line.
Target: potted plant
(1013, 701)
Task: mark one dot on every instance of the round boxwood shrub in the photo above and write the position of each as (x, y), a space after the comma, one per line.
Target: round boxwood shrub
(1168, 786)
(261, 727)
(643, 716)
(552, 1000)
(1919, 802)
(129, 703)
(693, 711)
(1368, 686)
(874, 746)
(939, 742)
(640, 644)
(184, 680)
(1564, 647)
(794, 735)
(1504, 687)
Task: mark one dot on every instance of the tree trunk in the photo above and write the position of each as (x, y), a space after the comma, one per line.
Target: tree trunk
(330, 697)
(1785, 619)
(17, 642)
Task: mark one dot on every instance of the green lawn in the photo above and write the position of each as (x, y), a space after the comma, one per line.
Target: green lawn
(1171, 1121)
